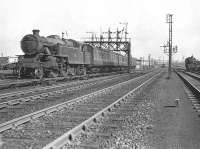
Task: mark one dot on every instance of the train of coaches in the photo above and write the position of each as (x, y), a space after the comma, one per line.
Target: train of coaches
(52, 56)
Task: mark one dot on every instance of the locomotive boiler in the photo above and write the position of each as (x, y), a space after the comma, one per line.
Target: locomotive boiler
(52, 56)
(192, 64)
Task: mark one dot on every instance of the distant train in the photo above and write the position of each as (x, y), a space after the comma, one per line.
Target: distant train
(52, 56)
(192, 64)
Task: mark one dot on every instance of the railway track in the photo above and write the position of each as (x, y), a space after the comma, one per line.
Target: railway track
(13, 83)
(50, 87)
(194, 75)
(40, 128)
(24, 105)
(9, 98)
(193, 90)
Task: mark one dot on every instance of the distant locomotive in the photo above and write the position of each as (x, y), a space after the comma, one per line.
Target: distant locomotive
(192, 64)
(52, 56)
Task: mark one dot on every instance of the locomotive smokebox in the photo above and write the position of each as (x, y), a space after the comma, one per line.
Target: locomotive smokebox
(32, 44)
(36, 32)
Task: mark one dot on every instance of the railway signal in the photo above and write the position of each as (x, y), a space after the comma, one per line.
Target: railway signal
(169, 21)
(115, 41)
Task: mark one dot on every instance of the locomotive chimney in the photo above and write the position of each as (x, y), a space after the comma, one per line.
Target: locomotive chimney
(36, 32)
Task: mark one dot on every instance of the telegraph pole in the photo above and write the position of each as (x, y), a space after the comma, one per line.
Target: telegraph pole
(168, 48)
(149, 57)
(169, 21)
(143, 62)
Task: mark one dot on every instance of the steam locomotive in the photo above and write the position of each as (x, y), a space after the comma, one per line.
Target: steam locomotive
(52, 56)
(192, 64)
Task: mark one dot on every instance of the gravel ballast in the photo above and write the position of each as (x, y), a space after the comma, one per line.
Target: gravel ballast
(155, 122)
(37, 133)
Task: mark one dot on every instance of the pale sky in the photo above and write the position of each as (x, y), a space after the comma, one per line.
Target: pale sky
(146, 22)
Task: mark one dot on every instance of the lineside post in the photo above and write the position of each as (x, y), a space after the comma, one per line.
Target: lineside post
(169, 21)
(129, 57)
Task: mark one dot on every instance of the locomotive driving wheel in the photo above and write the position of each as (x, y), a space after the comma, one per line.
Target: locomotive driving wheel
(39, 73)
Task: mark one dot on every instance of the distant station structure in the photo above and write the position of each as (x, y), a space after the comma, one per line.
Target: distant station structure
(3, 61)
(7, 62)
(113, 40)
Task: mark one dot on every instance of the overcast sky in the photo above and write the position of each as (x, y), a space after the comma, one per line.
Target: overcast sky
(146, 22)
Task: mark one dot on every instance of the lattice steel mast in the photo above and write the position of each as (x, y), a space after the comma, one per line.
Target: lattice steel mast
(168, 48)
(118, 43)
(169, 21)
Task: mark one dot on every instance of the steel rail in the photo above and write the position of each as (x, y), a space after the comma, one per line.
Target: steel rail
(60, 142)
(36, 81)
(194, 75)
(52, 93)
(41, 95)
(21, 120)
(6, 95)
(193, 88)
